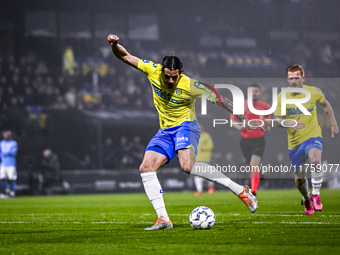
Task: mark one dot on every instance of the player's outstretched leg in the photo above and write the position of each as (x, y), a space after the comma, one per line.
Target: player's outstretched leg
(249, 199)
(209, 172)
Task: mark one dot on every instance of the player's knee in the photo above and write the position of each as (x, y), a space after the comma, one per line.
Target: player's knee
(143, 168)
(315, 161)
(299, 181)
(186, 167)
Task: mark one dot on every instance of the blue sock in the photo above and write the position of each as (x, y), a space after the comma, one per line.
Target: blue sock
(12, 186)
(4, 185)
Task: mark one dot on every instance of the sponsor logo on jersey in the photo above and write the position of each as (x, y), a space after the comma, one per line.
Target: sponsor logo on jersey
(179, 139)
(296, 111)
(166, 96)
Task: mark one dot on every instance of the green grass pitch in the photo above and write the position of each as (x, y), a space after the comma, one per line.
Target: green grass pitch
(114, 223)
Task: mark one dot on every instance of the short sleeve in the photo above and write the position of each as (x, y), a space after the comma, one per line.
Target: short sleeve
(319, 95)
(197, 89)
(146, 66)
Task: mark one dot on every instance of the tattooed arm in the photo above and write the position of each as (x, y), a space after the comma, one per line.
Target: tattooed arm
(228, 105)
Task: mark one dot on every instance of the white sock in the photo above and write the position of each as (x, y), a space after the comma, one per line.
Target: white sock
(304, 190)
(210, 173)
(316, 182)
(198, 183)
(154, 192)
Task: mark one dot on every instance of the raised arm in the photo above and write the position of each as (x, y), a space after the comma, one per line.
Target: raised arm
(213, 97)
(330, 114)
(120, 52)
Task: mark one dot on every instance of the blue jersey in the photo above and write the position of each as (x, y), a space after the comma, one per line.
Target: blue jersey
(8, 152)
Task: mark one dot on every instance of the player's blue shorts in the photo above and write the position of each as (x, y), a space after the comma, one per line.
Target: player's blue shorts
(299, 155)
(168, 141)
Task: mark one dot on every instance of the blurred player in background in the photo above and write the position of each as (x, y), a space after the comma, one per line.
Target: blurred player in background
(204, 151)
(8, 166)
(174, 98)
(252, 141)
(305, 136)
(50, 168)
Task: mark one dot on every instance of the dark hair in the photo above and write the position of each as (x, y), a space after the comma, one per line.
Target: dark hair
(255, 86)
(172, 63)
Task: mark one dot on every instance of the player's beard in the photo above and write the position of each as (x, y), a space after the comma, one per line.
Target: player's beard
(170, 85)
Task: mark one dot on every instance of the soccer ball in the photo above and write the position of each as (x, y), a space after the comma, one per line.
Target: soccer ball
(202, 217)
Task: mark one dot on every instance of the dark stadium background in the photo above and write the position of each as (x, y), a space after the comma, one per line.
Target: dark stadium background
(245, 41)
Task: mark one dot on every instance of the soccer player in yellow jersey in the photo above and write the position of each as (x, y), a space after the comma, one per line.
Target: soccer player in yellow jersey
(304, 136)
(174, 97)
(204, 151)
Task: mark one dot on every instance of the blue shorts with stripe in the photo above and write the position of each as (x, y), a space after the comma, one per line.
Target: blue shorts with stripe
(299, 155)
(168, 141)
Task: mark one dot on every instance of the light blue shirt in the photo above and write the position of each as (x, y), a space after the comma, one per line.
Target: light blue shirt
(8, 151)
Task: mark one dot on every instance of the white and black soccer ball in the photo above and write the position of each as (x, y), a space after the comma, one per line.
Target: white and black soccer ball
(202, 217)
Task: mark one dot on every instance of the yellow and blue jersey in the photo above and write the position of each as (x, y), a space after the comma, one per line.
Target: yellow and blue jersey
(174, 105)
(312, 128)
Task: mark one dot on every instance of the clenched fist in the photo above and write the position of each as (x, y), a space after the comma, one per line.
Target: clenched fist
(113, 39)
